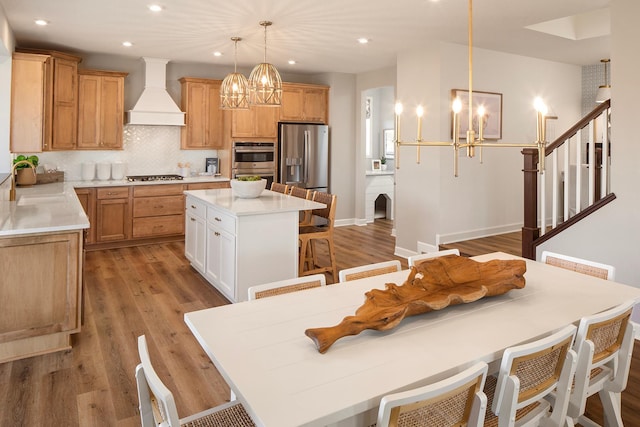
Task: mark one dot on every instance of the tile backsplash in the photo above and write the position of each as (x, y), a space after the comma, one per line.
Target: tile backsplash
(146, 150)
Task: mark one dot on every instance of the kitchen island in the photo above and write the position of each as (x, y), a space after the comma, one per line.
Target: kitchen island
(237, 243)
(41, 263)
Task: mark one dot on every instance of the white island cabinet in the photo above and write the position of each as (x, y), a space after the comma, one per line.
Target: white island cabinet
(237, 243)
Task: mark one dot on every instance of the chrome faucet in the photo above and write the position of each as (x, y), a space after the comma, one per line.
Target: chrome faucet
(12, 190)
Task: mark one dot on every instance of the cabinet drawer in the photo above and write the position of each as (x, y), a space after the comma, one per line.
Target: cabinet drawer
(112, 193)
(158, 206)
(196, 207)
(221, 219)
(208, 185)
(158, 226)
(157, 190)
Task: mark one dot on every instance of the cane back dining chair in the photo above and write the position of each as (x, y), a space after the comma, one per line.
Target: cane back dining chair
(529, 373)
(311, 234)
(369, 270)
(158, 408)
(604, 344)
(592, 268)
(302, 193)
(429, 255)
(286, 286)
(455, 401)
(280, 188)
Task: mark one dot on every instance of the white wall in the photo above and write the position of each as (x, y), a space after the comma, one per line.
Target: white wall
(7, 43)
(611, 235)
(432, 206)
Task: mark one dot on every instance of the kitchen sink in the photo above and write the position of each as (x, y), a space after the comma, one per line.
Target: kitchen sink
(41, 199)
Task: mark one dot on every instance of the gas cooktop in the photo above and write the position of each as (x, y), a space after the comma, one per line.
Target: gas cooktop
(153, 177)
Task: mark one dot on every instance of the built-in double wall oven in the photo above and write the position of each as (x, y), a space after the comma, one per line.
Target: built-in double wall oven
(254, 159)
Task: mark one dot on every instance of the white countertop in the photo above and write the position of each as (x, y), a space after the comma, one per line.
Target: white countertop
(53, 207)
(41, 209)
(121, 182)
(268, 202)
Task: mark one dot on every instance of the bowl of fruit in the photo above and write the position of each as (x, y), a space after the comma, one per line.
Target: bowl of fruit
(248, 187)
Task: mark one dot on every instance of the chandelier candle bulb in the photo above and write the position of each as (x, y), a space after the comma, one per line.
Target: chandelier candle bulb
(398, 111)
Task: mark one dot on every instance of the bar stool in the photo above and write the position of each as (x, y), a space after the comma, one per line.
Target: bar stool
(310, 234)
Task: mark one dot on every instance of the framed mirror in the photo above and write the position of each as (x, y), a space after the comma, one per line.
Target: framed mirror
(388, 147)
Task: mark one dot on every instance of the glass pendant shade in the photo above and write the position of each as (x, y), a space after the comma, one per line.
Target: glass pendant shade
(234, 92)
(265, 85)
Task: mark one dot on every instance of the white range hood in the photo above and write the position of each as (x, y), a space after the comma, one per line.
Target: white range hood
(155, 106)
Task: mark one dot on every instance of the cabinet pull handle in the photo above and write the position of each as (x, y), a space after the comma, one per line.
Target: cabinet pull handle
(216, 233)
(193, 207)
(192, 219)
(217, 219)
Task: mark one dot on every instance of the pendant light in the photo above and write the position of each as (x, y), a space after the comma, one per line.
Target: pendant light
(265, 84)
(234, 91)
(604, 91)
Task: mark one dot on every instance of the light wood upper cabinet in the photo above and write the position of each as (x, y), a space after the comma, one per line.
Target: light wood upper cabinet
(204, 119)
(44, 101)
(28, 111)
(100, 109)
(305, 103)
(44, 105)
(256, 122)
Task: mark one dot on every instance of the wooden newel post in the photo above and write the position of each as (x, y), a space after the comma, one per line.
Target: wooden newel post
(530, 229)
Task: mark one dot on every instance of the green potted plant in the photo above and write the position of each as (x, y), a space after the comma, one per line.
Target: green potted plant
(25, 169)
(383, 163)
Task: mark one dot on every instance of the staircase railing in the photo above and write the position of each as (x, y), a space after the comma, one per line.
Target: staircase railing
(575, 181)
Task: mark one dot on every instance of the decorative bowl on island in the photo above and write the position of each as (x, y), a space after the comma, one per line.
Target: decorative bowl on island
(246, 188)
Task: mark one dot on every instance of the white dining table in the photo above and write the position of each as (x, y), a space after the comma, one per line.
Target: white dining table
(261, 350)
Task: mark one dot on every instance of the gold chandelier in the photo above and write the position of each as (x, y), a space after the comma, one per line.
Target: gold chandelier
(472, 141)
(234, 91)
(265, 84)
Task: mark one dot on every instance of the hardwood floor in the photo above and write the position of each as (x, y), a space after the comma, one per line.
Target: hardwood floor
(147, 290)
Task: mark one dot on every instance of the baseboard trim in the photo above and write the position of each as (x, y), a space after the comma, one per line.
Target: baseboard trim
(442, 239)
(346, 222)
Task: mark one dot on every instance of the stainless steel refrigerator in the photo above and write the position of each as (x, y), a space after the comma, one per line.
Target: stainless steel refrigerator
(303, 152)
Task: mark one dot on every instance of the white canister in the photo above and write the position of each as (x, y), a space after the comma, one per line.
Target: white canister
(184, 172)
(88, 171)
(117, 170)
(104, 171)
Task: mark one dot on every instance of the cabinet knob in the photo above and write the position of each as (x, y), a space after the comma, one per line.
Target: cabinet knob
(193, 207)
(217, 219)
(216, 233)
(192, 219)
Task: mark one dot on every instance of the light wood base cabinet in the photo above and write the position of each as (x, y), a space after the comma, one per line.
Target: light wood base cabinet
(41, 293)
(113, 214)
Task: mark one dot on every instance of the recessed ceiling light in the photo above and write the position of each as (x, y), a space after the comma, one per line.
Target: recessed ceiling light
(127, 44)
(216, 53)
(363, 40)
(41, 22)
(292, 62)
(155, 8)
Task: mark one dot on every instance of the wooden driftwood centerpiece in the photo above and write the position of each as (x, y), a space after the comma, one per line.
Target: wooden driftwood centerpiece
(432, 285)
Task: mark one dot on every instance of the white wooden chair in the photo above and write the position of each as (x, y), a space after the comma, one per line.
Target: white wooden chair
(604, 344)
(417, 258)
(455, 401)
(287, 286)
(603, 271)
(529, 373)
(158, 407)
(369, 270)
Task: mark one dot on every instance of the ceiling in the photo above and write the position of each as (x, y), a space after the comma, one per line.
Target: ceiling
(320, 35)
